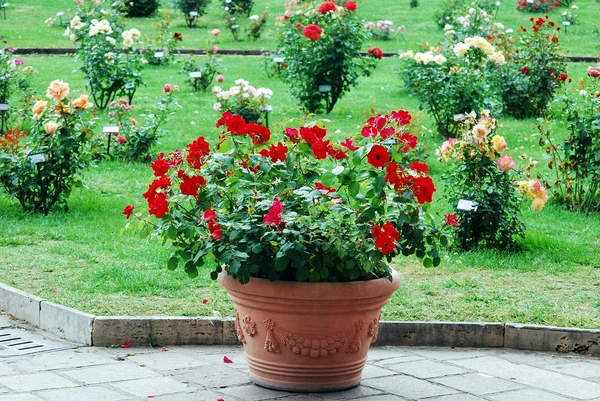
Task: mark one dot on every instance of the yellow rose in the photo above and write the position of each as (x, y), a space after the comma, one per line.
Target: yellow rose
(499, 143)
(57, 90)
(51, 127)
(39, 107)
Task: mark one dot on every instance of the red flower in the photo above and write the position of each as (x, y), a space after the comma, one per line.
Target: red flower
(167, 88)
(376, 52)
(378, 156)
(351, 6)
(205, 301)
(191, 185)
(369, 131)
(450, 219)
(419, 167)
(158, 205)
(563, 77)
(387, 132)
(402, 117)
(337, 154)
(121, 140)
(293, 134)
(312, 31)
(554, 39)
(390, 231)
(348, 144)
(209, 215)
(391, 175)
(313, 134)
(128, 210)
(327, 6)
(160, 166)
(276, 152)
(526, 70)
(385, 237)
(215, 230)
(227, 360)
(259, 133)
(197, 150)
(376, 231)
(224, 117)
(236, 125)
(273, 216)
(320, 149)
(423, 189)
(163, 182)
(325, 188)
(410, 141)
(175, 158)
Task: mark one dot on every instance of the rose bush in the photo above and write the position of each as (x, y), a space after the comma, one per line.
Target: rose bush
(243, 99)
(481, 173)
(300, 207)
(191, 6)
(321, 43)
(40, 168)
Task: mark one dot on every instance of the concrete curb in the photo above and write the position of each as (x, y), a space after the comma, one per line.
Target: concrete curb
(86, 329)
(233, 52)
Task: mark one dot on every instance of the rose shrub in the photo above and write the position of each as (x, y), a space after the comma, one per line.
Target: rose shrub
(163, 41)
(480, 173)
(191, 6)
(60, 135)
(243, 99)
(321, 43)
(141, 8)
(238, 6)
(299, 208)
(538, 6)
(463, 12)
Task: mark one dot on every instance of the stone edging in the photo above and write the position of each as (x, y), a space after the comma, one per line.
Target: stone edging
(86, 329)
(234, 52)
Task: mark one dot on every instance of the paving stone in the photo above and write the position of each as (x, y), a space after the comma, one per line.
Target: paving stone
(110, 373)
(6, 321)
(377, 353)
(3, 390)
(20, 397)
(579, 369)
(61, 360)
(151, 387)
(356, 392)
(398, 359)
(457, 397)
(253, 393)
(200, 395)
(371, 371)
(237, 356)
(169, 360)
(425, 369)
(91, 393)
(527, 395)
(445, 354)
(36, 381)
(478, 383)
(537, 358)
(302, 397)
(217, 376)
(6, 369)
(408, 387)
(384, 397)
(533, 376)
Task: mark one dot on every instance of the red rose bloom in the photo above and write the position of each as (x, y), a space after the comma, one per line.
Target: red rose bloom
(423, 189)
(390, 231)
(273, 216)
(121, 140)
(224, 117)
(276, 152)
(293, 134)
(158, 206)
(197, 150)
(312, 31)
(563, 77)
(209, 215)
(236, 125)
(337, 154)
(554, 39)
(376, 52)
(350, 6)
(160, 166)
(259, 133)
(128, 210)
(320, 149)
(385, 237)
(419, 167)
(190, 185)
(526, 70)
(327, 6)
(215, 230)
(378, 156)
(450, 219)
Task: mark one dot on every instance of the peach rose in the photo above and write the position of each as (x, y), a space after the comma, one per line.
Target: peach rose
(499, 143)
(82, 103)
(505, 163)
(39, 107)
(57, 90)
(51, 127)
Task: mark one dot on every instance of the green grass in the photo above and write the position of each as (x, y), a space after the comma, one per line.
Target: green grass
(81, 259)
(24, 26)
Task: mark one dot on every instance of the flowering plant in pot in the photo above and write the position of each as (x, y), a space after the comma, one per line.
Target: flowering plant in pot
(298, 227)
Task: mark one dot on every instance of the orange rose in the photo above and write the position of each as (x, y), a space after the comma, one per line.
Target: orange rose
(51, 127)
(39, 107)
(82, 103)
(57, 90)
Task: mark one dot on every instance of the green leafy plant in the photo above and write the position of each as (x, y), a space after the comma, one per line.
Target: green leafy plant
(243, 99)
(257, 25)
(104, 47)
(14, 78)
(302, 209)
(480, 173)
(197, 8)
(321, 45)
(454, 79)
(42, 172)
(465, 12)
(238, 6)
(382, 30)
(164, 42)
(141, 8)
(414, 3)
(576, 160)
(134, 141)
(208, 70)
(536, 69)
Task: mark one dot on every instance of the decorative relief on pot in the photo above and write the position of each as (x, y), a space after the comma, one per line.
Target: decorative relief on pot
(313, 348)
(374, 328)
(238, 328)
(249, 326)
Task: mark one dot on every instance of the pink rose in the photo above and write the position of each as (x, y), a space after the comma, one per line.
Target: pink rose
(505, 163)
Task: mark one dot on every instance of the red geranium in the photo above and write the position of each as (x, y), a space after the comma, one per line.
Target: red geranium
(327, 6)
(376, 52)
(351, 6)
(378, 156)
(312, 31)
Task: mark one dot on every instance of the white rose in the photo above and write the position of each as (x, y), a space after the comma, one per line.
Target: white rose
(439, 59)
(111, 40)
(460, 49)
(427, 58)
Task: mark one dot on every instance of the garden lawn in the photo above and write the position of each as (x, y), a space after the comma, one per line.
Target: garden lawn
(81, 258)
(24, 26)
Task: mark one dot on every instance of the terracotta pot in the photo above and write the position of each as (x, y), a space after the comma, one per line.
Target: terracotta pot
(307, 336)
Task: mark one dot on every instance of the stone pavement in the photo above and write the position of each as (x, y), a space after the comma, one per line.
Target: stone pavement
(198, 373)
